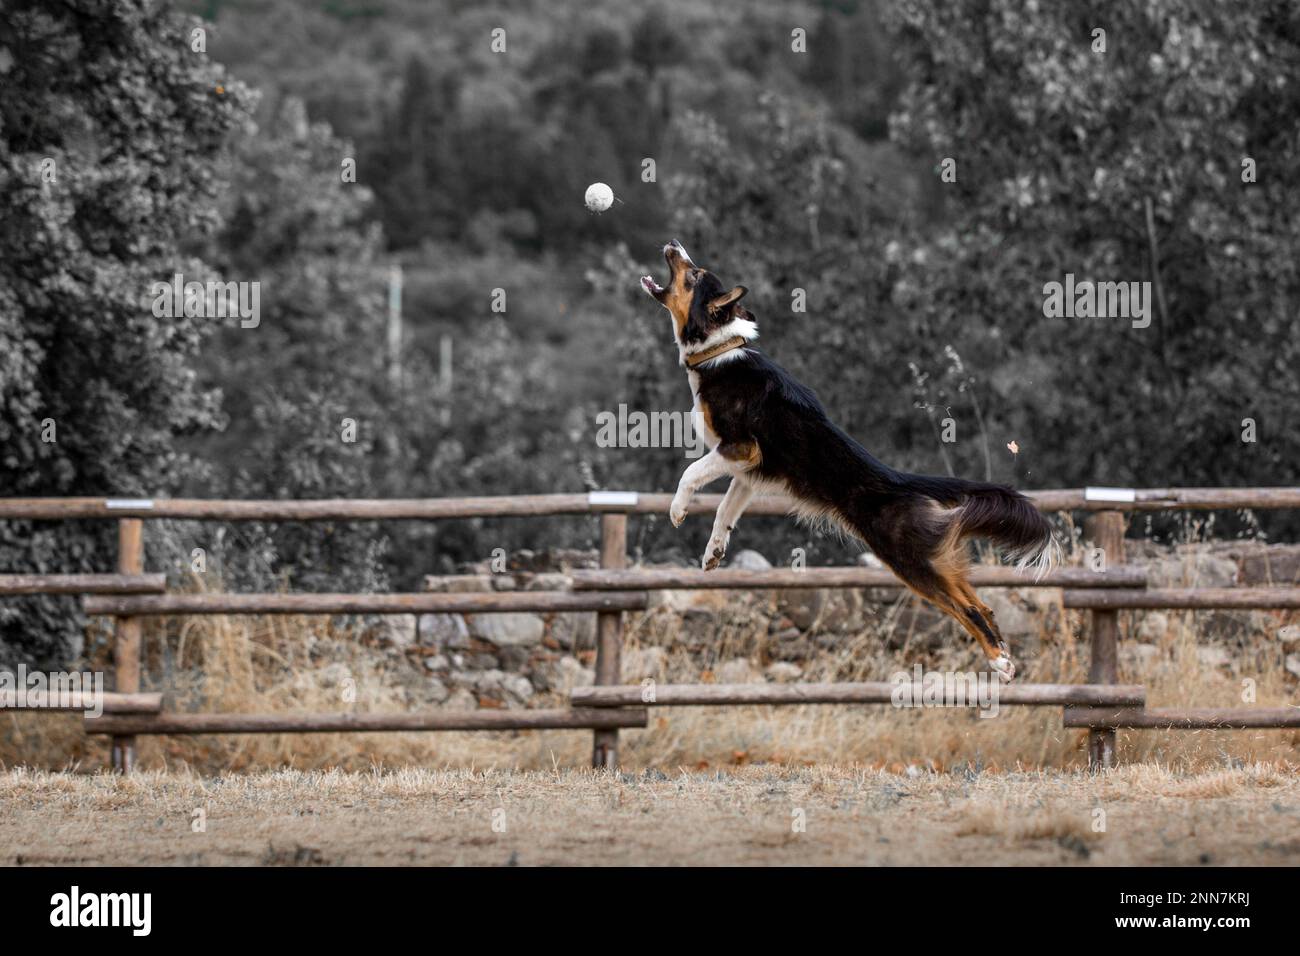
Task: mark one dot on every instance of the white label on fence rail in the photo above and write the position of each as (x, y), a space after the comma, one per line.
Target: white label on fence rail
(1127, 495)
(133, 504)
(609, 498)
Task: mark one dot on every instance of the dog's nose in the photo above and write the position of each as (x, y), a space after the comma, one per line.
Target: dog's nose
(678, 248)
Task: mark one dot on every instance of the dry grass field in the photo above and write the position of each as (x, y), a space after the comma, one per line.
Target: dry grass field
(767, 815)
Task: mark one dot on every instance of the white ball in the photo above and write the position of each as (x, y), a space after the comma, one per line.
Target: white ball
(599, 197)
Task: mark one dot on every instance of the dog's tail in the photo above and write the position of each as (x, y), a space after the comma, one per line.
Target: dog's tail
(1001, 514)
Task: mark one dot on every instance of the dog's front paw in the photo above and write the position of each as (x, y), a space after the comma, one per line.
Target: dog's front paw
(1003, 666)
(715, 550)
(713, 556)
(677, 512)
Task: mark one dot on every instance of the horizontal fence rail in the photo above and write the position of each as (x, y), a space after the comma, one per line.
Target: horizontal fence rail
(1185, 598)
(82, 583)
(418, 603)
(789, 578)
(559, 719)
(868, 692)
(324, 509)
(1062, 499)
(1185, 718)
(110, 702)
(342, 509)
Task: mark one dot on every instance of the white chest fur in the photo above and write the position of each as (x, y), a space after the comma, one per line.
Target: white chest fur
(747, 330)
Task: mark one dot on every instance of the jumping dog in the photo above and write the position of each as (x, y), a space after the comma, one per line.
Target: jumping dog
(769, 433)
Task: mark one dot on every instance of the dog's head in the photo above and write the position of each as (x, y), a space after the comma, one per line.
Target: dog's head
(697, 300)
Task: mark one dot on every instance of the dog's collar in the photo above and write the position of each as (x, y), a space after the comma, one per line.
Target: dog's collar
(699, 358)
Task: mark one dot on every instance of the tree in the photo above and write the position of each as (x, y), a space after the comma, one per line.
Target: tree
(413, 159)
(1122, 165)
(111, 132)
(317, 359)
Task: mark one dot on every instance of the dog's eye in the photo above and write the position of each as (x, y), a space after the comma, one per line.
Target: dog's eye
(691, 277)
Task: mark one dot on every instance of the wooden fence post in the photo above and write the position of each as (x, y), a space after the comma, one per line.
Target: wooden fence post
(1105, 529)
(126, 643)
(609, 632)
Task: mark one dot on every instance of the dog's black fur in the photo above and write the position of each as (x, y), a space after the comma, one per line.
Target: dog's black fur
(753, 398)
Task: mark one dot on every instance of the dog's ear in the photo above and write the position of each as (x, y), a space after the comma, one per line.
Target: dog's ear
(727, 298)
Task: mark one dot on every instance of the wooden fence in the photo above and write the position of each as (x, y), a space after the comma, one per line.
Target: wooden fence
(1102, 705)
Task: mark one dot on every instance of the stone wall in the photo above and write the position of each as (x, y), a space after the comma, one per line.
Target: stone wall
(521, 659)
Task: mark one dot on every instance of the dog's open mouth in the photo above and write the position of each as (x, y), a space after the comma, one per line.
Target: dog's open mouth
(676, 257)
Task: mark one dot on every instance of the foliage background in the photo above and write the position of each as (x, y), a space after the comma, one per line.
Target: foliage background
(780, 170)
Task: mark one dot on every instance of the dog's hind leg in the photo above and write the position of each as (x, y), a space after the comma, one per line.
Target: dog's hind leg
(724, 522)
(988, 625)
(946, 592)
(951, 561)
(933, 562)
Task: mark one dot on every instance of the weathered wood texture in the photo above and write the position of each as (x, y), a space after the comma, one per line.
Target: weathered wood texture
(289, 723)
(870, 692)
(1184, 718)
(1059, 499)
(420, 603)
(324, 509)
(82, 583)
(111, 702)
(337, 509)
(609, 634)
(127, 640)
(1104, 530)
(1185, 598)
(690, 578)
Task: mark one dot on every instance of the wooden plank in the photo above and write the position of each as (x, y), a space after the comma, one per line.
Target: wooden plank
(1104, 530)
(609, 635)
(1057, 499)
(1185, 598)
(872, 692)
(324, 509)
(420, 603)
(304, 723)
(1207, 499)
(83, 583)
(127, 634)
(1186, 718)
(111, 702)
(652, 579)
(340, 509)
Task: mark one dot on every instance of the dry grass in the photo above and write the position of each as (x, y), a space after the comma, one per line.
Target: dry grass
(224, 674)
(1136, 815)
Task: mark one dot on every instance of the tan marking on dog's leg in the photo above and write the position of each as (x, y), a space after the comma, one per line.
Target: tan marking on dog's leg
(972, 598)
(982, 616)
(955, 597)
(743, 453)
(950, 601)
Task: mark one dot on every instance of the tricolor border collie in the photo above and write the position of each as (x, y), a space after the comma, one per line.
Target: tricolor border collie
(770, 433)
